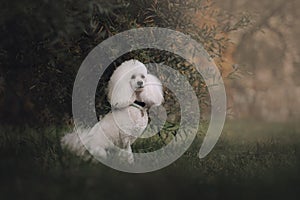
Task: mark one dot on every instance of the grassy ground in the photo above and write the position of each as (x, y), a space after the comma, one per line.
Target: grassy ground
(252, 160)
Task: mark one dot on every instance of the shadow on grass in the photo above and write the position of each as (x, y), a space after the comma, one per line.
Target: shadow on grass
(251, 160)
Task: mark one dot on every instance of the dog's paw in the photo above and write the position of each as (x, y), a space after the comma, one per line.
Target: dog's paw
(98, 153)
(130, 159)
(126, 156)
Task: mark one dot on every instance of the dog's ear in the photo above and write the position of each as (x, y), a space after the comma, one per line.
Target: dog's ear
(152, 93)
(120, 94)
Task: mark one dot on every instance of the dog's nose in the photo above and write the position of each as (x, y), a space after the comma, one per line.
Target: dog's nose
(140, 83)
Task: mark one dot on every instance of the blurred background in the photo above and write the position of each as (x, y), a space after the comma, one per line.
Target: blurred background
(255, 45)
(269, 50)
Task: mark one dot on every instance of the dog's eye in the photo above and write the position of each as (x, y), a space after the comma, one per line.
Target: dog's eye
(143, 76)
(133, 77)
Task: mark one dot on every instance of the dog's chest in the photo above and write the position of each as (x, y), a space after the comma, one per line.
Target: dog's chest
(139, 118)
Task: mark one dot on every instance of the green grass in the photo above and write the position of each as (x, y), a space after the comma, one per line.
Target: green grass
(251, 160)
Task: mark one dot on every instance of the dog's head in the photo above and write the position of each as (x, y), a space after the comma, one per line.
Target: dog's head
(127, 80)
(130, 82)
(137, 81)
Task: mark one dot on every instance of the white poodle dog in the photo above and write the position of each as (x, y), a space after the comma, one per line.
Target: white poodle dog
(131, 91)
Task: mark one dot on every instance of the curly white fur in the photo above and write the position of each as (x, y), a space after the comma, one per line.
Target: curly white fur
(129, 83)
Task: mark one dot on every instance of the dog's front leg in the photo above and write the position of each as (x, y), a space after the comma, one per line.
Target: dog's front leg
(126, 148)
(130, 158)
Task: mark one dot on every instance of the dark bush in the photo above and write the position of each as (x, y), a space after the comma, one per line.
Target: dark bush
(42, 44)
